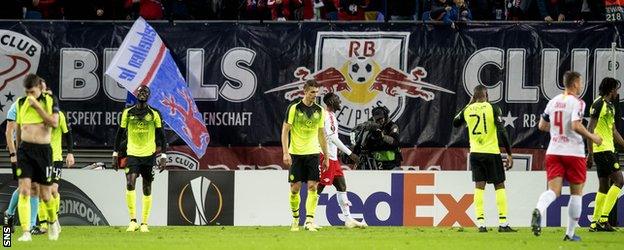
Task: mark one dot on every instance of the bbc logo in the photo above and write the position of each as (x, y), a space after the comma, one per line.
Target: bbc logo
(6, 236)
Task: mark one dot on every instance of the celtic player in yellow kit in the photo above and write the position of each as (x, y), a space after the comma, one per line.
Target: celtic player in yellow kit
(142, 131)
(602, 123)
(37, 114)
(484, 131)
(304, 123)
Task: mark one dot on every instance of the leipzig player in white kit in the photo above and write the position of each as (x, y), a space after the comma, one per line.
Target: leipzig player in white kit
(333, 174)
(565, 156)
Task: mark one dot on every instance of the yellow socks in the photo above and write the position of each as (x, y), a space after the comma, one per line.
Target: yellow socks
(23, 207)
(43, 212)
(311, 203)
(501, 204)
(147, 207)
(51, 209)
(131, 201)
(57, 202)
(294, 204)
(610, 199)
(478, 202)
(598, 206)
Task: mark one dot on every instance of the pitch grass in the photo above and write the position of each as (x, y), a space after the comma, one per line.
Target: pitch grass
(218, 237)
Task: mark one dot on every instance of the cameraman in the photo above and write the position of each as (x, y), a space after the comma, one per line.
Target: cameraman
(380, 143)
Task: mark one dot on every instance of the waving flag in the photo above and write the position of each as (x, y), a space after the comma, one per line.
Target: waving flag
(143, 59)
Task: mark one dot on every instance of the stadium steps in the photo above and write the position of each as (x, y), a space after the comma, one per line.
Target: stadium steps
(83, 157)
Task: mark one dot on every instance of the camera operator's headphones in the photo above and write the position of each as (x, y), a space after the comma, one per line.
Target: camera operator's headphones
(383, 110)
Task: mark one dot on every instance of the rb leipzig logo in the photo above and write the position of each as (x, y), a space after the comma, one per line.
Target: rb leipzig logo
(366, 69)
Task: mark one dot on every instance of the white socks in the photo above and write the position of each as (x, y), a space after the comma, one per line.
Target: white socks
(344, 204)
(545, 199)
(574, 208)
(574, 212)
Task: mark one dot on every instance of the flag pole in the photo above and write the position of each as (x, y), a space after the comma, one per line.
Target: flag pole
(613, 66)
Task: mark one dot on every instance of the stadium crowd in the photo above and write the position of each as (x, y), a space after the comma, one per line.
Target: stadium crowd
(371, 10)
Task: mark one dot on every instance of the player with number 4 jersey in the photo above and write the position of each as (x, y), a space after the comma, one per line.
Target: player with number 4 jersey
(565, 156)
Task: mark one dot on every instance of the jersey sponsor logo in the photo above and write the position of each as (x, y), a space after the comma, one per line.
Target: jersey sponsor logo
(332, 124)
(19, 55)
(366, 69)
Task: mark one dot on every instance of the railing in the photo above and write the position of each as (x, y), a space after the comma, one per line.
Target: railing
(304, 21)
(83, 157)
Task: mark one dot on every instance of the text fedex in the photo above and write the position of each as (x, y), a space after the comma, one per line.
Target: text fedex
(405, 202)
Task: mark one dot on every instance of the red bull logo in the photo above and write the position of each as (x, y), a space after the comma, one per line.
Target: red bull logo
(366, 69)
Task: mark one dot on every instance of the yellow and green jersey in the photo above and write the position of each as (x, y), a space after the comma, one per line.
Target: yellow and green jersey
(481, 119)
(57, 138)
(26, 114)
(604, 112)
(305, 122)
(140, 125)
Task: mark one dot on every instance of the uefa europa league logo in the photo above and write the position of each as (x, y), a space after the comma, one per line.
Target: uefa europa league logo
(204, 193)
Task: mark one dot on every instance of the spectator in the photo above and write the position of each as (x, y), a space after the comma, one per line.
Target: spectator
(12, 9)
(351, 10)
(552, 10)
(438, 11)
(573, 9)
(79, 9)
(309, 10)
(514, 10)
(593, 10)
(32, 10)
(254, 10)
(329, 11)
(530, 10)
(489, 9)
(460, 12)
(224, 9)
(148, 9)
(374, 10)
(111, 10)
(401, 10)
(199, 9)
(176, 10)
(282, 10)
(50, 9)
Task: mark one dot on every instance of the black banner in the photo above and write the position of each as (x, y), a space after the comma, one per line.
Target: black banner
(201, 198)
(243, 75)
